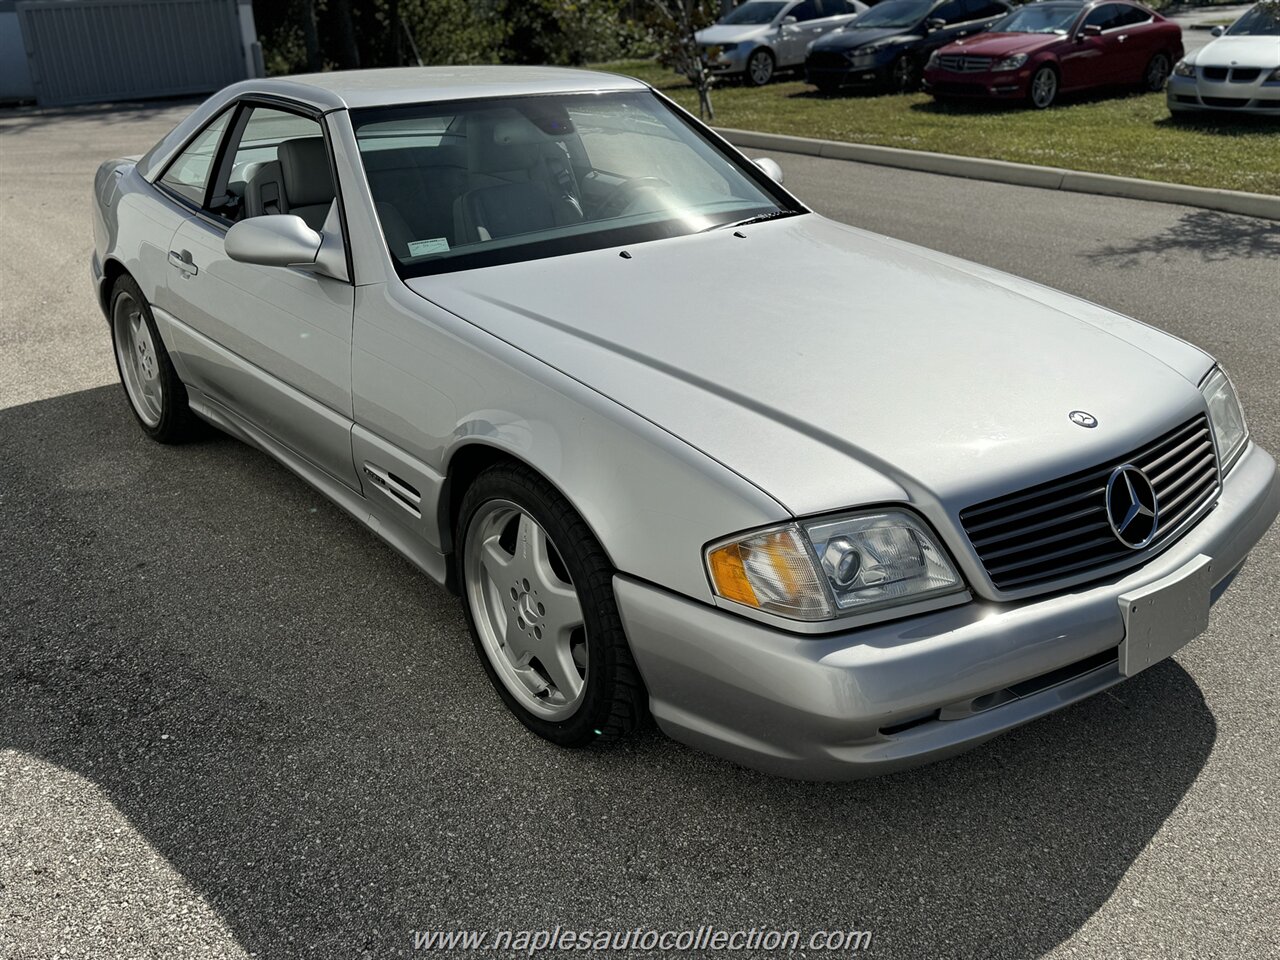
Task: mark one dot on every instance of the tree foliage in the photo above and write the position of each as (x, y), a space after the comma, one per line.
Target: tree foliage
(675, 23)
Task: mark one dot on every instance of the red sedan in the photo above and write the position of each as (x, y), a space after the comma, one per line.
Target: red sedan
(1059, 46)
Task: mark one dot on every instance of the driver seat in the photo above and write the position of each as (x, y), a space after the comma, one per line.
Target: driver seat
(528, 181)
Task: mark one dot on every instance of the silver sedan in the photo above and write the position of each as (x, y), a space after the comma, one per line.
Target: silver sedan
(819, 501)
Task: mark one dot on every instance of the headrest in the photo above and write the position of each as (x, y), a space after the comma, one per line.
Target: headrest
(304, 166)
(499, 144)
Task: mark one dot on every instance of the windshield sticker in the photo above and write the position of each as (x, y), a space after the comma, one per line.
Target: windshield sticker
(420, 248)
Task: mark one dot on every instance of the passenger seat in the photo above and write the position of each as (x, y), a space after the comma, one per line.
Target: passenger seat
(299, 182)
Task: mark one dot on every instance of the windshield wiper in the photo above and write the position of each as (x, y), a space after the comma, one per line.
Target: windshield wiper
(758, 218)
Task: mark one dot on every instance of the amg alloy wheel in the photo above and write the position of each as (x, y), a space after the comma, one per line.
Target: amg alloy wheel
(1044, 88)
(538, 592)
(156, 395)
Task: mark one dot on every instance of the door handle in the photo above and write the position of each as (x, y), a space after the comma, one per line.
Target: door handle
(183, 262)
(1123, 37)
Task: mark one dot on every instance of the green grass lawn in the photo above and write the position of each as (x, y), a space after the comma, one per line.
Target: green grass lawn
(1127, 135)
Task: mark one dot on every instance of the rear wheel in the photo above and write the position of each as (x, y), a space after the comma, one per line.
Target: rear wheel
(760, 67)
(156, 395)
(1157, 73)
(1044, 88)
(537, 589)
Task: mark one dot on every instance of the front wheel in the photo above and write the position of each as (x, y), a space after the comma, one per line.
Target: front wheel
(760, 67)
(1044, 88)
(537, 589)
(904, 76)
(1157, 73)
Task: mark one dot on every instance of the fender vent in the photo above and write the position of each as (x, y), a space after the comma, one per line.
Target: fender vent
(403, 494)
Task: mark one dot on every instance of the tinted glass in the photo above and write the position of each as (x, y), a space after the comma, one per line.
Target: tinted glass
(477, 183)
(805, 11)
(1040, 18)
(1106, 16)
(758, 11)
(1130, 16)
(894, 13)
(1262, 21)
(956, 11)
(188, 175)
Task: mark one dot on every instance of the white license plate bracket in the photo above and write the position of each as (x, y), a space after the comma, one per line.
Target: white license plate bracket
(1163, 617)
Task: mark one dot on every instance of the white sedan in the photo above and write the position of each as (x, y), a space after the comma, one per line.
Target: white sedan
(1238, 72)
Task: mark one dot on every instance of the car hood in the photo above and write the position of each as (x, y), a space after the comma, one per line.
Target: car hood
(1002, 44)
(1240, 52)
(832, 367)
(851, 39)
(732, 33)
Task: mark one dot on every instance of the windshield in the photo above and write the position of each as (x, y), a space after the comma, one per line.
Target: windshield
(477, 183)
(893, 13)
(756, 11)
(1262, 21)
(1039, 18)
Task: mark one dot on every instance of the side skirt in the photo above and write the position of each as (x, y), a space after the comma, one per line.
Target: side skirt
(421, 554)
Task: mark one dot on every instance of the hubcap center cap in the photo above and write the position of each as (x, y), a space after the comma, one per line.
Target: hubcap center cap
(529, 608)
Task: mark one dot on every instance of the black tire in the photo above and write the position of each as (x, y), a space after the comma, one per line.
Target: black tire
(176, 423)
(763, 73)
(1044, 79)
(614, 702)
(1157, 73)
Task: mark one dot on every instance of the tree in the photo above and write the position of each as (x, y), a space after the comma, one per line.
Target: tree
(675, 24)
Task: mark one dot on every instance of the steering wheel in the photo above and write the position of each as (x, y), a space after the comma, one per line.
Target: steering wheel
(620, 197)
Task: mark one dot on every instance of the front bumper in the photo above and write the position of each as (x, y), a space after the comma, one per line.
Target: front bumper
(1001, 85)
(1198, 94)
(837, 68)
(726, 62)
(895, 695)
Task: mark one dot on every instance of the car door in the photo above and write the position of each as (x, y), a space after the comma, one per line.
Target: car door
(269, 344)
(794, 38)
(1137, 40)
(1094, 61)
(832, 14)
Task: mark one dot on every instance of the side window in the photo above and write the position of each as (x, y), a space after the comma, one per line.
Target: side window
(279, 164)
(188, 175)
(985, 10)
(1132, 16)
(808, 10)
(957, 11)
(1106, 16)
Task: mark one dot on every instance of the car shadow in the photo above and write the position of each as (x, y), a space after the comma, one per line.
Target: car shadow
(1204, 233)
(294, 718)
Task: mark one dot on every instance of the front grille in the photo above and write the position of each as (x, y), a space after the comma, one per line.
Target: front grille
(964, 64)
(1216, 73)
(1225, 101)
(826, 60)
(1241, 75)
(1059, 529)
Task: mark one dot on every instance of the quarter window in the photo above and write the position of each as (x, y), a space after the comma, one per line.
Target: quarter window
(188, 175)
(1107, 17)
(808, 10)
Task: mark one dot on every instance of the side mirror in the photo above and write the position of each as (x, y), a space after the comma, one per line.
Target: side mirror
(770, 167)
(274, 240)
(788, 21)
(1091, 30)
(934, 24)
(1218, 31)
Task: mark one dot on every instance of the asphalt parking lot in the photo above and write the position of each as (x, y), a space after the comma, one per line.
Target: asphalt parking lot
(232, 724)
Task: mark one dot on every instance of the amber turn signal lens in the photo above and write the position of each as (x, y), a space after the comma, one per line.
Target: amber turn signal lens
(729, 576)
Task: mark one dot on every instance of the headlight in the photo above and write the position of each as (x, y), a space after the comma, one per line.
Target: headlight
(1225, 417)
(1010, 63)
(821, 569)
(1184, 69)
(933, 60)
(1275, 76)
(728, 47)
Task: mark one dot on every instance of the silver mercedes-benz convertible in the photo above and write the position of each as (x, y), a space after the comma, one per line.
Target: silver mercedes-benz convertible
(819, 501)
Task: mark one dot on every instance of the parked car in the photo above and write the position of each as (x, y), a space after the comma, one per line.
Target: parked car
(1059, 46)
(888, 45)
(554, 340)
(1238, 72)
(757, 39)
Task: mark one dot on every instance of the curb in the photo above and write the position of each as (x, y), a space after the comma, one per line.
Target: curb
(1022, 174)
